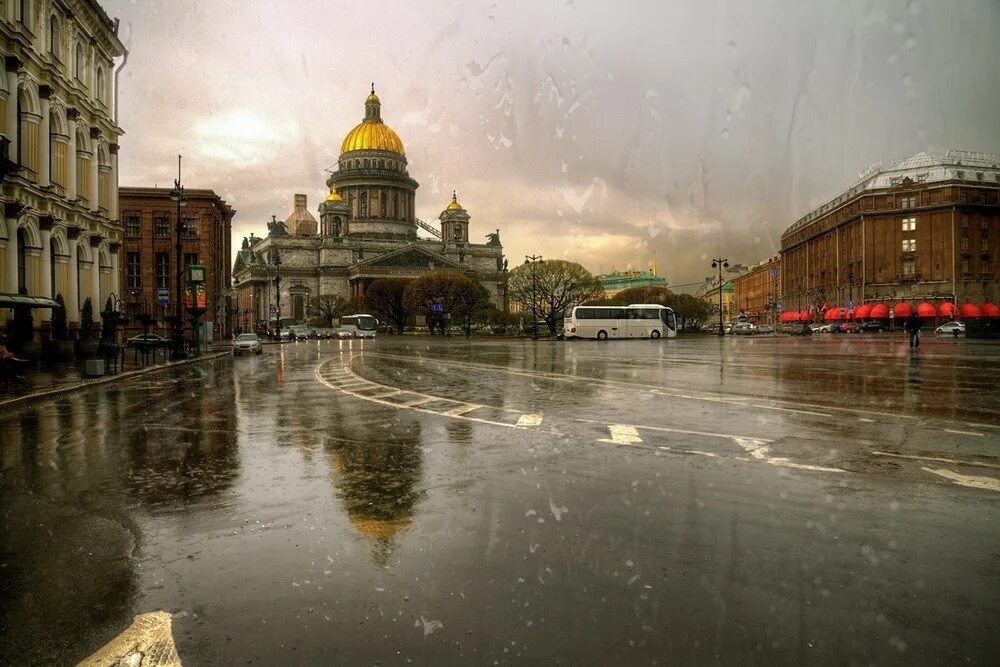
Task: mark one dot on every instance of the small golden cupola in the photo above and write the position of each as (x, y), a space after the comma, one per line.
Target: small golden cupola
(454, 222)
(454, 205)
(334, 195)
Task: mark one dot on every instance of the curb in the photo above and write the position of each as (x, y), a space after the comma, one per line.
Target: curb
(49, 393)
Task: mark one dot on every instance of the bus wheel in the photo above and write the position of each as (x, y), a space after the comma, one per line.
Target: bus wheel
(655, 334)
(602, 335)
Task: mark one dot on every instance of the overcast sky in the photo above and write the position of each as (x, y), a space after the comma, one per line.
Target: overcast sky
(591, 131)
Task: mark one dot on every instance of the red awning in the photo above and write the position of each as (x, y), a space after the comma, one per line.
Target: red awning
(832, 315)
(902, 309)
(947, 309)
(879, 311)
(863, 311)
(786, 316)
(805, 316)
(926, 309)
(991, 310)
(970, 310)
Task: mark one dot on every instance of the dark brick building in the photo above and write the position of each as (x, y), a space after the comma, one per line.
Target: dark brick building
(148, 253)
(925, 228)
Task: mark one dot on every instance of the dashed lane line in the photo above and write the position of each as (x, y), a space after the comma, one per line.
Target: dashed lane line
(972, 481)
(622, 434)
(939, 459)
(956, 432)
(529, 420)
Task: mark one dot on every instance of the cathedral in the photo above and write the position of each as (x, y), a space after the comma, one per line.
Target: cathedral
(367, 230)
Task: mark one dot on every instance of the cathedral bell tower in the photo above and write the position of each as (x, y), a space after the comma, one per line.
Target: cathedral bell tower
(454, 223)
(333, 216)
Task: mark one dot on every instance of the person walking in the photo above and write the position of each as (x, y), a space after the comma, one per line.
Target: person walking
(912, 327)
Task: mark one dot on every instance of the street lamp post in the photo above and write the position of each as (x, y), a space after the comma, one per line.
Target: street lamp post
(178, 196)
(533, 260)
(276, 260)
(720, 263)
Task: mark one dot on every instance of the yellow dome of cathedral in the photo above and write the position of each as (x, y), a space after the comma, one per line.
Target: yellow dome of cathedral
(372, 134)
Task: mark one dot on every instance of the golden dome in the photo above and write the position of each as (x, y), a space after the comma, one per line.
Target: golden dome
(334, 195)
(454, 205)
(372, 135)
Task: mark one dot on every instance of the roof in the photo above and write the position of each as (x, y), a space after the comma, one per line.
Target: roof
(923, 167)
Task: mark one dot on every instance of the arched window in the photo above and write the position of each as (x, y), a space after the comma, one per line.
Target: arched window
(54, 36)
(364, 204)
(99, 86)
(79, 61)
(25, 16)
(384, 205)
(21, 273)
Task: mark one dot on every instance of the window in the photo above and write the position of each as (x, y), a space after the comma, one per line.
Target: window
(54, 36)
(162, 262)
(381, 165)
(383, 205)
(965, 243)
(350, 203)
(962, 197)
(132, 270)
(21, 260)
(99, 85)
(984, 243)
(909, 245)
(25, 14)
(189, 228)
(909, 224)
(965, 265)
(395, 205)
(984, 223)
(364, 204)
(984, 265)
(190, 258)
(79, 62)
(965, 221)
(132, 226)
(161, 228)
(909, 267)
(908, 202)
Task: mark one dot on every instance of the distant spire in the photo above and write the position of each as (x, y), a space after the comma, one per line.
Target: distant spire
(373, 87)
(654, 263)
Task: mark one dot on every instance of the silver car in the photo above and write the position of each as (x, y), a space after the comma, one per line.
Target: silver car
(247, 343)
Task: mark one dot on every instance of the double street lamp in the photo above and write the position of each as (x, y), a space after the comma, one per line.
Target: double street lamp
(276, 260)
(178, 196)
(720, 263)
(533, 260)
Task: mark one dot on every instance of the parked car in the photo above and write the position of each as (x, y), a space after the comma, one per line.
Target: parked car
(303, 331)
(872, 327)
(286, 334)
(820, 328)
(246, 343)
(951, 328)
(147, 338)
(765, 328)
(844, 327)
(324, 332)
(343, 334)
(798, 329)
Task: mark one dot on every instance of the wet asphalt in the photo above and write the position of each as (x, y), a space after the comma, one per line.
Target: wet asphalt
(830, 500)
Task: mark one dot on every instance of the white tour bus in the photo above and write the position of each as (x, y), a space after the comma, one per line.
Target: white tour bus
(358, 326)
(638, 320)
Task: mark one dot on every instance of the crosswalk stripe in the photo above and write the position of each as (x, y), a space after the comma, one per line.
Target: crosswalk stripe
(529, 420)
(622, 434)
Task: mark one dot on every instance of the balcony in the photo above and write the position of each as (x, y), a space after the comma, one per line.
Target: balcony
(908, 277)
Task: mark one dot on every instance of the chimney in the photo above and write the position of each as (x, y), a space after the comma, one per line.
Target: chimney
(300, 202)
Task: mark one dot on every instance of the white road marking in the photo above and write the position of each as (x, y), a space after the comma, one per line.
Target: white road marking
(939, 459)
(785, 463)
(804, 412)
(987, 483)
(976, 425)
(866, 420)
(678, 430)
(529, 420)
(462, 409)
(622, 434)
(753, 447)
(951, 430)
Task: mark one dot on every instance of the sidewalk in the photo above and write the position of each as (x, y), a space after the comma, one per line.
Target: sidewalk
(48, 384)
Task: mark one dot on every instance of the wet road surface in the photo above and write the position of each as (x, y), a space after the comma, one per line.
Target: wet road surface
(832, 499)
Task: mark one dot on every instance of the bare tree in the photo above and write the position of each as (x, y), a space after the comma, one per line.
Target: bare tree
(385, 298)
(553, 287)
(329, 306)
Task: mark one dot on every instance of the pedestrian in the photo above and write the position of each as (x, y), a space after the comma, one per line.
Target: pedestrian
(912, 327)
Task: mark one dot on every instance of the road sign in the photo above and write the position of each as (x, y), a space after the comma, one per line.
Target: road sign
(437, 308)
(774, 273)
(272, 308)
(162, 296)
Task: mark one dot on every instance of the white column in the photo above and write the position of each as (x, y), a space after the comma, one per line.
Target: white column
(113, 185)
(71, 150)
(94, 185)
(10, 277)
(73, 272)
(46, 277)
(115, 282)
(10, 119)
(95, 282)
(44, 146)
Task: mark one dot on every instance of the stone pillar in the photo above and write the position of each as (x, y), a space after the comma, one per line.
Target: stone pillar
(95, 185)
(72, 299)
(45, 226)
(113, 249)
(71, 115)
(95, 275)
(113, 185)
(10, 255)
(12, 65)
(44, 139)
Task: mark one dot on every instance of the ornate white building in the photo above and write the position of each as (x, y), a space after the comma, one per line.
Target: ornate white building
(367, 230)
(60, 232)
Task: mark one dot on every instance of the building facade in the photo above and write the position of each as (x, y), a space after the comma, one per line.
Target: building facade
(713, 291)
(367, 229)
(148, 252)
(757, 291)
(923, 228)
(61, 232)
(619, 281)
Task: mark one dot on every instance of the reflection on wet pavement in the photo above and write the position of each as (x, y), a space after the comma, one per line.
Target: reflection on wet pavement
(448, 501)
